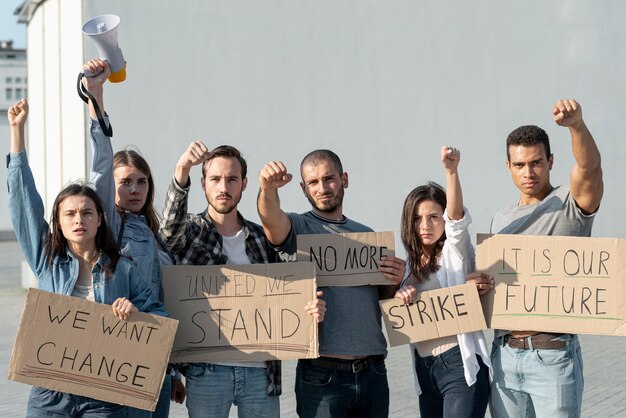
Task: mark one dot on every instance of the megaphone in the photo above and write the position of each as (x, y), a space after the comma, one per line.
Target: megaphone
(103, 31)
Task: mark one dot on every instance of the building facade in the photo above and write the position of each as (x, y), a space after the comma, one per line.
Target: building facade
(13, 87)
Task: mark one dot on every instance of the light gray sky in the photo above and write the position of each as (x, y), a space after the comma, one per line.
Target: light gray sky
(9, 28)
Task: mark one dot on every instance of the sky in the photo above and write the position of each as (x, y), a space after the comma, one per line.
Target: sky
(9, 28)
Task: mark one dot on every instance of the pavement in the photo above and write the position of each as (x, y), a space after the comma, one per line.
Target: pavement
(605, 374)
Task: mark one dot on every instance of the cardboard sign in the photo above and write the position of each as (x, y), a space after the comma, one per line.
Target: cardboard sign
(349, 259)
(72, 345)
(436, 313)
(554, 284)
(248, 312)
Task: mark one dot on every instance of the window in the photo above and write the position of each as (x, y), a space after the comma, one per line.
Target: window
(9, 94)
(18, 94)
(9, 80)
(18, 80)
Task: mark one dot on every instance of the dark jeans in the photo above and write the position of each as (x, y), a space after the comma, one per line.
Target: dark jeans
(51, 403)
(323, 392)
(444, 390)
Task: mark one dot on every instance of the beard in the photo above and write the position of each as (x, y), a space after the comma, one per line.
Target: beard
(329, 205)
(224, 207)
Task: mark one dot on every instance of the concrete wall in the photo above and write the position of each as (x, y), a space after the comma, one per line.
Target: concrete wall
(384, 84)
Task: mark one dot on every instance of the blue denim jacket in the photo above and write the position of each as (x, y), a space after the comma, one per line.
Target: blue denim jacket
(138, 242)
(31, 229)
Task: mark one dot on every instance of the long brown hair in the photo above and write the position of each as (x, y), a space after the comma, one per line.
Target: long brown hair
(56, 244)
(410, 236)
(127, 158)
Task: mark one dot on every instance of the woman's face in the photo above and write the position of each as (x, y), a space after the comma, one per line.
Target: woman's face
(131, 188)
(79, 219)
(429, 223)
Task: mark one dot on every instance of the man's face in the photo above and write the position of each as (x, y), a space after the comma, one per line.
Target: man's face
(223, 184)
(323, 186)
(530, 170)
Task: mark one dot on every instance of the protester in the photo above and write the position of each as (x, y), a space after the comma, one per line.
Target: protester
(125, 185)
(451, 373)
(221, 235)
(541, 373)
(75, 255)
(350, 378)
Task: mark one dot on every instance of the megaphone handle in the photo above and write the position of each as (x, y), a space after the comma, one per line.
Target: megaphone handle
(91, 74)
(85, 96)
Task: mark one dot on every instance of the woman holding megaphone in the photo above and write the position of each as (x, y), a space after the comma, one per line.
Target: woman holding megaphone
(124, 183)
(74, 255)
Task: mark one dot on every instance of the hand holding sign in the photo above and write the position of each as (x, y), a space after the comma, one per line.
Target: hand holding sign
(484, 282)
(407, 293)
(122, 308)
(274, 176)
(317, 307)
(393, 268)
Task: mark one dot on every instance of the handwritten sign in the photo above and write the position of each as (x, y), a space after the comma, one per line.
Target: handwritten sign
(72, 345)
(248, 312)
(436, 313)
(557, 284)
(349, 259)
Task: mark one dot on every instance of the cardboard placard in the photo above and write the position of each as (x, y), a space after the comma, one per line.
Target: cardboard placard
(435, 314)
(72, 345)
(250, 312)
(349, 259)
(554, 284)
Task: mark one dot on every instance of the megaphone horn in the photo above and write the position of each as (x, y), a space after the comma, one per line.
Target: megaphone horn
(103, 31)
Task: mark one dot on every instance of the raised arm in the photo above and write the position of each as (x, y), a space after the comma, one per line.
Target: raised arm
(101, 171)
(18, 113)
(450, 157)
(586, 184)
(173, 224)
(276, 223)
(95, 85)
(25, 205)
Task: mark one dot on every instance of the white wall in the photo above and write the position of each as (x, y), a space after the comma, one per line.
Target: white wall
(56, 143)
(384, 84)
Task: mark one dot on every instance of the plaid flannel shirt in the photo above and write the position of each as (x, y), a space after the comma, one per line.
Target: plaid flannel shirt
(193, 239)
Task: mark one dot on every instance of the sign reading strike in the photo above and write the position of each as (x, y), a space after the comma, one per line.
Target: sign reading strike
(349, 259)
(558, 284)
(436, 313)
(71, 345)
(241, 312)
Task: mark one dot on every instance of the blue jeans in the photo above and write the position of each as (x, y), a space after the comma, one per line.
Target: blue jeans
(53, 404)
(325, 393)
(445, 392)
(212, 389)
(537, 383)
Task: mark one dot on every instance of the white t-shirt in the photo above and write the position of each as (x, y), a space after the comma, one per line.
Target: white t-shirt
(234, 247)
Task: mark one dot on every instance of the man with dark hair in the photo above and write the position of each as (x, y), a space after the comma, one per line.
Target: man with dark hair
(539, 373)
(220, 235)
(528, 135)
(350, 378)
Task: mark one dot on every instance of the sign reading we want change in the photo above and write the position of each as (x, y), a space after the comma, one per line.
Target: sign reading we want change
(241, 312)
(348, 259)
(71, 345)
(555, 284)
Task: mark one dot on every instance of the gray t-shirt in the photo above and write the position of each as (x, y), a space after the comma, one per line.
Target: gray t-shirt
(352, 325)
(557, 214)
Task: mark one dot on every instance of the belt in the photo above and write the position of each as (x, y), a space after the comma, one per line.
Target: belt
(345, 365)
(544, 340)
